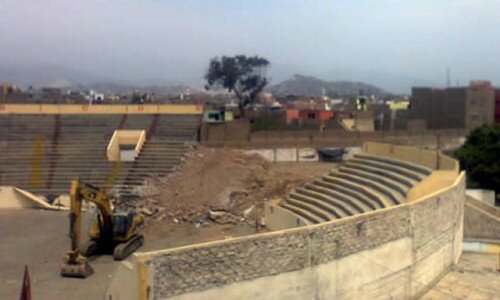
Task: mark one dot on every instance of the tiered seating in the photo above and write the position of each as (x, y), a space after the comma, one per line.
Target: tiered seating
(42, 153)
(362, 184)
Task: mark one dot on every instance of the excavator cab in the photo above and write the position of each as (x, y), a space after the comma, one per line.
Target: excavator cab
(121, 221)
(110, 232)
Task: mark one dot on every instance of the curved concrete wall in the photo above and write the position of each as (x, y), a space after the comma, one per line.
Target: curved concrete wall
(397, 252)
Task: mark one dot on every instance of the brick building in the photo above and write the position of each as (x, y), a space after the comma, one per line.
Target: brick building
(454, 107)
(316, 114)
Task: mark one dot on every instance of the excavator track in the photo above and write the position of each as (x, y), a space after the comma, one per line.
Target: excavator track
(77, 268)
(123, 250)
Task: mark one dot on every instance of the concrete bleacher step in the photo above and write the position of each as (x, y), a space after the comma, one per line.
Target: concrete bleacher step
(362, 184)
(56, 175)
(310, 206)
(377, 199)
(407, 165)
(392, 195)
(408, 182)
(36, 153)
(417, 177)
(333, 211)
(382, 180)
(338, 207)
(313, 219)
(353, 204)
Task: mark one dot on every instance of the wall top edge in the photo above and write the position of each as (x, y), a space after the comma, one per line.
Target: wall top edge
(84, 109)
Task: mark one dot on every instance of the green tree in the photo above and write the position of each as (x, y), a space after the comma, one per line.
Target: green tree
(245, 76)
(137, 98)
(480, 157)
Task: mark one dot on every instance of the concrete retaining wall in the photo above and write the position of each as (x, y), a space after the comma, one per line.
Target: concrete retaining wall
(482, 221)
(449, 139)
(279, 218)
(237, 130)
(486, 196)
(287, 154)
(428, 158)
(397, 252)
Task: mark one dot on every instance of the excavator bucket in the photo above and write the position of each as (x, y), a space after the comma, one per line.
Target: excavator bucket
(77, 267)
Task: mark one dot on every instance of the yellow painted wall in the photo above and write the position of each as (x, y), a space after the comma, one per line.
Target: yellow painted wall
(398, 105)
(140, 143)
(83, 109)
(359, 124)
(113, 150)
(348, 124)
(125, 137)
(438, 180)
(414, 155)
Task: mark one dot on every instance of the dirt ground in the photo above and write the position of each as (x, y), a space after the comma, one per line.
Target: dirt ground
(222, 185)
(39, 239)
(477, 277)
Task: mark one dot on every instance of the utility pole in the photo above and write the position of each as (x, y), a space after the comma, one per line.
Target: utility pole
(448, 77)
(438, 151)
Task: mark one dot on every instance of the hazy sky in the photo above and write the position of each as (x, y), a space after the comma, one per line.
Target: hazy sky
(379, 41)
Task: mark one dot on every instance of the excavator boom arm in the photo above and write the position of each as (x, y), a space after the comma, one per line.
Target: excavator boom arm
(75, 264)
(80, 192)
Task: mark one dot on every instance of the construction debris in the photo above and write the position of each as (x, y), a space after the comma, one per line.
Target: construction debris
(221, 185)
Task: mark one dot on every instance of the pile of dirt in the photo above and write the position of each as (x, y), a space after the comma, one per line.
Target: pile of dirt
(221, 185)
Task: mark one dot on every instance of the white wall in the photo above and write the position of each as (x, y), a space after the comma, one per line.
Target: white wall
(286, 154)
(487, 196)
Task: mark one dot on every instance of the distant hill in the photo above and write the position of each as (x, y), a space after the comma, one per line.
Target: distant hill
(311, 86)
(44, 76)
(63, 77)
(123, 88)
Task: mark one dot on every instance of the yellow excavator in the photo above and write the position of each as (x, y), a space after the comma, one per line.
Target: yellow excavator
(110, 232)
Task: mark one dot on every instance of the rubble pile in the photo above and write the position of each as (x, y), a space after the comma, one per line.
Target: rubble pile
(219, 185)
